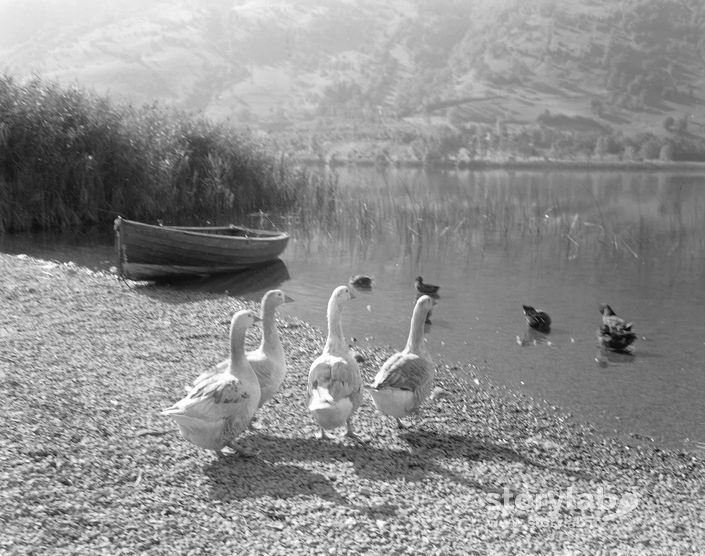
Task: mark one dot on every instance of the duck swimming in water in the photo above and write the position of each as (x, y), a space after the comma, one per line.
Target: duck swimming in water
(538, 320)
(427, 289)
(614, 333)
(361, 281)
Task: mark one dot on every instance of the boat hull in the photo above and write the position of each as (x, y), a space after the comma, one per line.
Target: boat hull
(148, 252)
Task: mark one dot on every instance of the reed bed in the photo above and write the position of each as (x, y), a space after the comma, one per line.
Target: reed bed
(69, 158)
(572, 214)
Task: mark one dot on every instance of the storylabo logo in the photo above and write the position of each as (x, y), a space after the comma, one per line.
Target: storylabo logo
(552, 506)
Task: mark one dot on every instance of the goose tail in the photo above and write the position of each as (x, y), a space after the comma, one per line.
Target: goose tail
(320, 399)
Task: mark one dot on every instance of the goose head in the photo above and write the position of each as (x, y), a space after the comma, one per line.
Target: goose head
(242, 320)
(273, 298)
(341, 295)
(424, 304)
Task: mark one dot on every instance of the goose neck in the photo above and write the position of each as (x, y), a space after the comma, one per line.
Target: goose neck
(415, 342)
(336, 338)
(237, 346)
(270, 335)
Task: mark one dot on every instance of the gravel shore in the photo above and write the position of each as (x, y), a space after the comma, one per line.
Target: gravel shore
(88, 465)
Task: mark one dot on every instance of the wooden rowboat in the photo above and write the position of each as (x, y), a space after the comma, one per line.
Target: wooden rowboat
(148, 252)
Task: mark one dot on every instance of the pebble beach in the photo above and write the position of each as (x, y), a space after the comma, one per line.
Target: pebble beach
(89, 466)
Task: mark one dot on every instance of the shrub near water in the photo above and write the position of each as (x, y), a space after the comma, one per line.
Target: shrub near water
(68, 158)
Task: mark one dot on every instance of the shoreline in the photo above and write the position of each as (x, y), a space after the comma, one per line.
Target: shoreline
(88, 362)
(508, 164)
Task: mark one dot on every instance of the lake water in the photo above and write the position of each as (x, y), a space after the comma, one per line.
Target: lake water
(564, 241)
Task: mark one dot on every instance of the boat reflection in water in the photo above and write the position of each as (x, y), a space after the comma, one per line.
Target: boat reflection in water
(250, 283)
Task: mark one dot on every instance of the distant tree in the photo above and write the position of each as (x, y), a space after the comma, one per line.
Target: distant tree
(629, 153)
(521, 143)
(682, 124)
(668, 123)
(666, 152)
(541, 137)
(500, 128)
(650, 149)
(601, 146)
(419, 148)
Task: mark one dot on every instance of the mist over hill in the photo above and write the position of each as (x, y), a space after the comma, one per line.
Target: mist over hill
(588, 65)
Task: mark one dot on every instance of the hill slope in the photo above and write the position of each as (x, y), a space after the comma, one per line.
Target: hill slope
(624, 65)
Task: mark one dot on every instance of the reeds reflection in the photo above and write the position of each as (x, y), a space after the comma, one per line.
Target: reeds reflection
(566, 214)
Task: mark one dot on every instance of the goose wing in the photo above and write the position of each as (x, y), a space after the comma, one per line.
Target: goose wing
(213, 398)
(212, 372)
(262, 365)
(340, 376)
(404, 371)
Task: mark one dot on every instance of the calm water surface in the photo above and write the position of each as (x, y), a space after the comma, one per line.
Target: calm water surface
(494, 240)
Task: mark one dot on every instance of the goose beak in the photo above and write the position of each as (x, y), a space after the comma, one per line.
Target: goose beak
(288, 299)
(257, 319)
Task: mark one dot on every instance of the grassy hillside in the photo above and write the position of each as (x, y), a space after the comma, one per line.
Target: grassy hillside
(598, 67)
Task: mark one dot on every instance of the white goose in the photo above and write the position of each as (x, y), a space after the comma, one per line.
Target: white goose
(406, 378)
(221, 406)
(268, 360)
(334, 381)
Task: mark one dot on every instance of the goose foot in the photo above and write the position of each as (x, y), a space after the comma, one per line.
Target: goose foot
(350, 433)
(238, 451)
(400, 425)
(252, 426)
(323, 436)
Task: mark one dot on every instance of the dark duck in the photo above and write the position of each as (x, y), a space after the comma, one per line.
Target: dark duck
(361, 281)
(614, 333)
(425, 289)
(538, 320)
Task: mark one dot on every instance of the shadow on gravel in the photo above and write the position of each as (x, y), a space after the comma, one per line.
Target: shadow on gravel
(235, 478)
(439, 444)
(370, 462)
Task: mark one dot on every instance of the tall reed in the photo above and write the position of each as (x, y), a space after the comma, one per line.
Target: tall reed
(69, 157)
(573, 214)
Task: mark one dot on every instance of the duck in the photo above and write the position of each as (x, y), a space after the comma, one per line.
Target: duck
(361, 281)
(614, 333)
(220, 406)
(334, 379)
(536, 319)
(268, 360)
(427, 289)
(406, 378)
